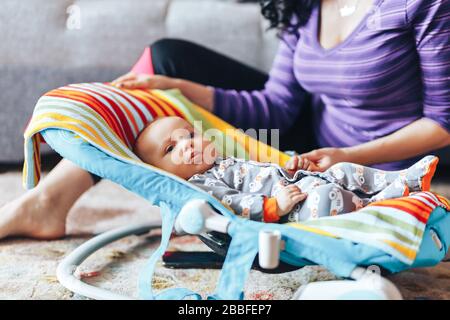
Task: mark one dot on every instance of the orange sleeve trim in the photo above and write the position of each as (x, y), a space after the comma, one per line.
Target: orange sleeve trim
(426, 179)
(270, 210)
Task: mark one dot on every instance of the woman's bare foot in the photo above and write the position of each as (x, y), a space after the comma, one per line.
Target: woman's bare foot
(41, 212)
(33, 216)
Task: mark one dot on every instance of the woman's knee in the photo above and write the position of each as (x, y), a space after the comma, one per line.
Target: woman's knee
(169, 45)
(167, 52)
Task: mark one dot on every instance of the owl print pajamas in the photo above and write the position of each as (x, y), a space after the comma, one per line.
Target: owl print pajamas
(243, 186)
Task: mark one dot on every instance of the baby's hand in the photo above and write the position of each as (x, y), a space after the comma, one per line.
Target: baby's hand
(287, 198)
(300, 163)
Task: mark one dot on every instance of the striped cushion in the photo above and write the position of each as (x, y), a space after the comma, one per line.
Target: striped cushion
(125, 112)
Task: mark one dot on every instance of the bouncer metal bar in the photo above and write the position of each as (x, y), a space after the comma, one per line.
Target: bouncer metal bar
(67, 267)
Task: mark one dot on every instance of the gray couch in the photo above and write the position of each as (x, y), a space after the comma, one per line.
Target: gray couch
(48, 43)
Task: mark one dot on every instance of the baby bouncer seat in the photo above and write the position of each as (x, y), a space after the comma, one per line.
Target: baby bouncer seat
(94, 125)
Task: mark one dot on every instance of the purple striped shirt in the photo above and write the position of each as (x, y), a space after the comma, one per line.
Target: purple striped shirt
(393, 69)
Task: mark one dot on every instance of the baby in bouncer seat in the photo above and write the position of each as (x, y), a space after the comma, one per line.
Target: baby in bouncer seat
(265, 191)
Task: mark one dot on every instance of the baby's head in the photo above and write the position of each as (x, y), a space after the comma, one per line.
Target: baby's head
(172, 144)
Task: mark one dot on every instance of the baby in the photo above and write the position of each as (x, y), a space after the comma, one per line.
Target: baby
(265, 191)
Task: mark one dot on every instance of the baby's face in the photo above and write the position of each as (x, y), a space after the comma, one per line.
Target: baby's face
(172, 144)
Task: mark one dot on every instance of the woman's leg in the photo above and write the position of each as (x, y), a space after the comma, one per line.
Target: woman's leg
(41, 212)
(187, 60)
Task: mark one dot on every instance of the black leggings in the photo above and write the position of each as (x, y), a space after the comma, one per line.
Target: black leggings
(186, 60)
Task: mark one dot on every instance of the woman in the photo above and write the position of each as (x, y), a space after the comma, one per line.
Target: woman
(375, 73)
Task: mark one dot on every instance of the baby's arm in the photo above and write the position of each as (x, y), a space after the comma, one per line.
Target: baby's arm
(255, 206)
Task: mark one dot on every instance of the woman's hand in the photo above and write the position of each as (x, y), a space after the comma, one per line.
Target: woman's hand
(300, 163)
(197, 93)
(143, 81)
(319, 159)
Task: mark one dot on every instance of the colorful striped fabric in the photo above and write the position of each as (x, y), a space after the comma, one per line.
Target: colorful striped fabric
(111, 118)
(395, 226)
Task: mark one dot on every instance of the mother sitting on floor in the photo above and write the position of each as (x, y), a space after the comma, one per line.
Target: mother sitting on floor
(358, 81)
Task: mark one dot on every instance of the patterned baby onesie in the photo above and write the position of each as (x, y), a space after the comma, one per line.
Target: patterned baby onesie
(243, 186)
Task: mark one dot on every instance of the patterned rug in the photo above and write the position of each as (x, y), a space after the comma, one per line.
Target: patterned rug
(27, 267)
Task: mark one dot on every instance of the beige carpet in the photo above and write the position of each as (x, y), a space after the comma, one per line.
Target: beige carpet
(27, 267)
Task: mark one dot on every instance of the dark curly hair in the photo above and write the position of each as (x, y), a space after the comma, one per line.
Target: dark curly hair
(280, 12)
